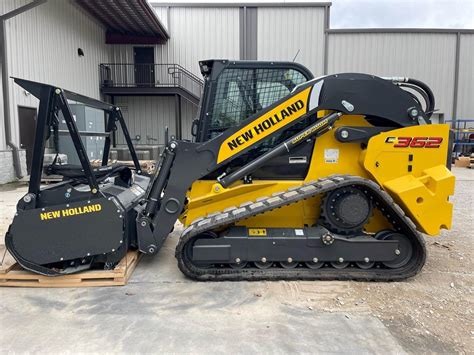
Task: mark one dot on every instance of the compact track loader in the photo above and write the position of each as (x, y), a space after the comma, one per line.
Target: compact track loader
(288, 177)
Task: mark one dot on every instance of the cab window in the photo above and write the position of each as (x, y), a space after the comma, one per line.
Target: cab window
(240, 93)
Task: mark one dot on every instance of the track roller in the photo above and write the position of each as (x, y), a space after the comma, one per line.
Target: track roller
(339, 264)
(264, 264)
(289, 264)
(315, 264)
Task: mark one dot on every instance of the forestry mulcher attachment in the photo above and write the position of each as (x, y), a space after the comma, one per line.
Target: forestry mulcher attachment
(288, 177)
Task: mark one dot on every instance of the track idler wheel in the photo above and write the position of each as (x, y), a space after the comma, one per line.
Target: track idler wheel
(190, 246)
(404, 251)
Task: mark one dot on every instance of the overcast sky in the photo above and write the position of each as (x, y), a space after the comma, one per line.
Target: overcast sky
(392, 13)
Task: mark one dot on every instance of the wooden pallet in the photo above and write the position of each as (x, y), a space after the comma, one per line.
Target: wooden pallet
(13, 275)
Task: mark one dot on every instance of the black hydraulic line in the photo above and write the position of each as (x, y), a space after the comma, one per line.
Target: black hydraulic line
(418, 90)
(420, 87)
(159, 182)
(317, 128)
(431, 104)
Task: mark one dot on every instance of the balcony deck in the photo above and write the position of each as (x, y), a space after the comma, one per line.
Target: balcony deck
(149, 79)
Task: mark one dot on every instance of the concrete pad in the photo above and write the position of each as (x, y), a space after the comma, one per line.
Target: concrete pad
(162, 311)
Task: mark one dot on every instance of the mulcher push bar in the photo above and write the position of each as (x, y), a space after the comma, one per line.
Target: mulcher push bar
(316, 129)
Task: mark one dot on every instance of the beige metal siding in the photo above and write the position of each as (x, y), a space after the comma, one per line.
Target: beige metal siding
(196, 34)
(9, 5)
(429, 57)
(42, 46)
(121, 53)
(189, 113)
(200, 33)
(147, 116)
(284, 31)
(162, 13)
(465, 109)
(3, 143)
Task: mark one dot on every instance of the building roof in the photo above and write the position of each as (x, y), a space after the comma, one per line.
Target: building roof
(127, 22)
(241, 4)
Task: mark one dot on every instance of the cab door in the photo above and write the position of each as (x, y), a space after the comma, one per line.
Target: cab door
(238, 93)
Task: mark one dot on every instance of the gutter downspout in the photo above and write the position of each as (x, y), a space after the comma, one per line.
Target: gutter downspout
(5, 86)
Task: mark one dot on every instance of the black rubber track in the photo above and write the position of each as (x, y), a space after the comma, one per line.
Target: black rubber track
(381, 200)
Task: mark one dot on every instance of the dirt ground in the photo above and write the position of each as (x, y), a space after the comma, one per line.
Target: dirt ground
(431, 313)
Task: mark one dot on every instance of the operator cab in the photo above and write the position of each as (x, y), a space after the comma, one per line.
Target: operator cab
(234, 91)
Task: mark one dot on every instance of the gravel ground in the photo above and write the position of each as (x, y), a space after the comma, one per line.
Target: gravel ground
(432, 312)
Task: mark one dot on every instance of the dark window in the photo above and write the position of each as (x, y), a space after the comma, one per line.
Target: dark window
(241, 93)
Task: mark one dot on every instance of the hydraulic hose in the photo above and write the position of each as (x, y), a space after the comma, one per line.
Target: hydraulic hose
(423, 94)
(420, 87)
(430, 105)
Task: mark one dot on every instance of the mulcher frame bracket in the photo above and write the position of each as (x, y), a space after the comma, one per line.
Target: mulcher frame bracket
(53, 99)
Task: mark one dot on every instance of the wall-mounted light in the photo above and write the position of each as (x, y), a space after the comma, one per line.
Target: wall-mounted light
(80, 52)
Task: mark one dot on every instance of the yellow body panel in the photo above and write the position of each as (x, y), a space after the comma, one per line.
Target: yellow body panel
(207, 196)
(416, 177)
(380, 161)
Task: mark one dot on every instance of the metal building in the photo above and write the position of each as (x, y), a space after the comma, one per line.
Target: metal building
(144, 58)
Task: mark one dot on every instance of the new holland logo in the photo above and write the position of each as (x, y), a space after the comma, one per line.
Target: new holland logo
(263, 126)
(68, 212)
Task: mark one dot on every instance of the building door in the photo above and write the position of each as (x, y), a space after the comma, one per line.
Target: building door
(27, 120)
(144, 66)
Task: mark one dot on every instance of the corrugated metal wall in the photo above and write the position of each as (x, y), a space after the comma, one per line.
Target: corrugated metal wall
(429, 57)
(42, 46)
(189, 113)
(284, 31)
(162, 13)
(466, 78)
(3, 142)
(9, 5)
(149, 115)
(200, 33)
(196, 34)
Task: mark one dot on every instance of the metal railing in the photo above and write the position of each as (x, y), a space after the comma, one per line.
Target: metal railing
(463, 130)
(149, 75)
